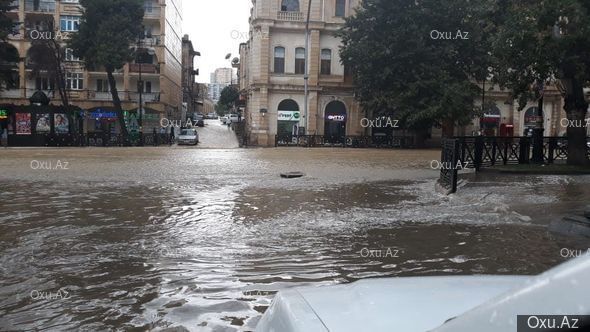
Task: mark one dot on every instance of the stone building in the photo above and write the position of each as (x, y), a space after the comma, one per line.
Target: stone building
(159, 61)
(190, 88)
(272, 69)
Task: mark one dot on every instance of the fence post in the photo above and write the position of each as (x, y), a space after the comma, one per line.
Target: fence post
(524, 153)
(479, 142)
(551, 152)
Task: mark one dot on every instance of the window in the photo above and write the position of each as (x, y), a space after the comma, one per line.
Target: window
(340, 8)
(290, 5)
(102, 85)
(70, 23)
(326, 63)
(148, 87)
(149, 6)
(70, 55)
(74, 81)
(279, 60)
(44, 83)
(300, 60)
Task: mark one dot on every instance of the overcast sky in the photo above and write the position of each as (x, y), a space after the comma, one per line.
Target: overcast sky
(216, 28)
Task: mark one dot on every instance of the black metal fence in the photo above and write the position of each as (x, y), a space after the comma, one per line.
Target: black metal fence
(312, 141)
(477, 152)
(107, 140)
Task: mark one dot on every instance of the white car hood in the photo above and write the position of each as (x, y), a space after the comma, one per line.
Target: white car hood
(393, 304)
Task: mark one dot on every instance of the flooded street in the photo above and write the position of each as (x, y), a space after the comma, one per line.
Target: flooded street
(149, 238)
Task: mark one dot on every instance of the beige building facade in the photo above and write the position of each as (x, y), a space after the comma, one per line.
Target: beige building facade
(160, 64)
(272, 72)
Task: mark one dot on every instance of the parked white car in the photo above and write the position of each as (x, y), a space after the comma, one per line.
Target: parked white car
(188, 136)
(233, 118)
(223, 119)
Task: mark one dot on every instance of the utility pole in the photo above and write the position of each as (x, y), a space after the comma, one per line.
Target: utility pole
(140, 87)
(306, 74)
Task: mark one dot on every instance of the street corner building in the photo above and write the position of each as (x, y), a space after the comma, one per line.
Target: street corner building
(157, 64)
(272, 68)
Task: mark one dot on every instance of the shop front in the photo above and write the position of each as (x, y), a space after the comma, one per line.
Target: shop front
(288, 119)
(38, 124)
(335, 122)
(532, 119)
(490, 121)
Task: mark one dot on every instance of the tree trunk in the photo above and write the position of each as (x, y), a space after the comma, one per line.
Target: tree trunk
(117, 103)
(448, 128)
(576, 108)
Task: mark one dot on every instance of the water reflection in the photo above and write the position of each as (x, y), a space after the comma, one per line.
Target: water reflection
(209, 254)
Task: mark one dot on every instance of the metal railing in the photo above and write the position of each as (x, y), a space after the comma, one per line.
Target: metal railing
(290, 16)
(311, 141)
(40, 6)
(477, 152)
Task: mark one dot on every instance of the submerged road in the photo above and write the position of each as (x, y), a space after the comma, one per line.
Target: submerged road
(150, 238)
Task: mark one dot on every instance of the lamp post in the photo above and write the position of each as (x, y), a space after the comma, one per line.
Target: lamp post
(306, 74)
(140, 88)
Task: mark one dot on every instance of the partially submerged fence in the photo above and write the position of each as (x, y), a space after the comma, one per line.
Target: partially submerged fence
(477, 152)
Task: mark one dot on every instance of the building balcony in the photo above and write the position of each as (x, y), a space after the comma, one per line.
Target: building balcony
(34, 6)
(151, 41)
(145, 68)
(151, 13)
(290, 16)
(12, 93)
(151, 97)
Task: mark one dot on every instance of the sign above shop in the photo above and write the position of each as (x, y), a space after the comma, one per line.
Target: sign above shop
(3, 114)
(336, 117)
(288, 115)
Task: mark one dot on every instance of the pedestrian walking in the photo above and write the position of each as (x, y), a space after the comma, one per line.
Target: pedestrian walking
(171, 135)
(4, 138)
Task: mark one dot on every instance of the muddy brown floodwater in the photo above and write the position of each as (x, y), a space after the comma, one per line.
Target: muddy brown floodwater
(145, 239)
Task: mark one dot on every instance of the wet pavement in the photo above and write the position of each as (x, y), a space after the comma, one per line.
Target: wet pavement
(217, 136)
(149, 238)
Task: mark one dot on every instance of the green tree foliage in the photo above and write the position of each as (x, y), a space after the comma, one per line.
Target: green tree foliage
(418, 60)
(547, 42)
(108, 29)
(9, 57)
(228, 99)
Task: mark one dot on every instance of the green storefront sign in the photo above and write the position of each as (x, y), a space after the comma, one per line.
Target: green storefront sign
(3, 114)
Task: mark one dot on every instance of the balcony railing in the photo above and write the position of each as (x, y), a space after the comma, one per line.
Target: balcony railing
(145, 97)
(151, 41)
(152, 12)
(146, 68)
(290, 16)
(12, 93)
(15, 5)
(40, 6)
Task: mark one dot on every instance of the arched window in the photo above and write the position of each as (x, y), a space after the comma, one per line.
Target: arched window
(279, 60)
(300, 60)
(290, 5)
(326, 63)
(340, 8)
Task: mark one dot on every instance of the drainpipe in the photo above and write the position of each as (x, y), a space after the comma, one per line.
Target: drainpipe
(306, 74)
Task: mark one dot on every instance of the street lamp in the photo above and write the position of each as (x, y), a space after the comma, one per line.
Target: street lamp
(306, 74)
